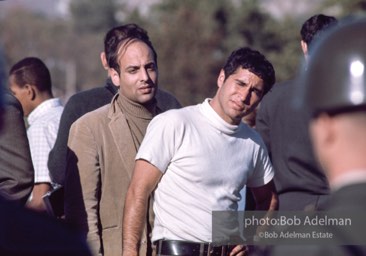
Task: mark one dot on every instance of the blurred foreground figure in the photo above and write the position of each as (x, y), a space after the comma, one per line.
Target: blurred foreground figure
(16, 169)
(334, 94)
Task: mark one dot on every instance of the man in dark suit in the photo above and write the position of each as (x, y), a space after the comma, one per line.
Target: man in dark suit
(299, 180)
(333, 93)
(79, 104)
(16, 168)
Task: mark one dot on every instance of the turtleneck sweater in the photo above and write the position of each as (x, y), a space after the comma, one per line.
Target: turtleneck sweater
(138, 117)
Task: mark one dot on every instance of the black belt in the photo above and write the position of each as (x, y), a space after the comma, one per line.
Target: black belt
(170, 247)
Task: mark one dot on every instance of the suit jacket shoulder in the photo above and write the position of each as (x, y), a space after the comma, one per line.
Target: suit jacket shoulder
(89, 100)
(78, 104)
(94, 118)
(166, 100)
(16, 169)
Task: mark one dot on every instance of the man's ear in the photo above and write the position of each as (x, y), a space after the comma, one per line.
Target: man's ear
(221, 78)
(304, 47)
(31, 92)
(103, 59)
(114, 76)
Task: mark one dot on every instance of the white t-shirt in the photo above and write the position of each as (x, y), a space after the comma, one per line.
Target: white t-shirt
(206, 162)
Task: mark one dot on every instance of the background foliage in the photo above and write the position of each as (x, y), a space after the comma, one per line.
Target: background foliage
(192, 38)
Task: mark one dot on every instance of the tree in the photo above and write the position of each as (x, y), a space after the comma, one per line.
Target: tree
(27, 34)
(194, 38)
(343, 8)
(93, 15)
(188, 36)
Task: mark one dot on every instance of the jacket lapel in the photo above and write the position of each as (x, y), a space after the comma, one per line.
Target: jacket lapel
(122, 137)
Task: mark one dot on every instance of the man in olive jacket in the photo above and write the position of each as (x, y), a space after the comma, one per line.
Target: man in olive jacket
(103, 144)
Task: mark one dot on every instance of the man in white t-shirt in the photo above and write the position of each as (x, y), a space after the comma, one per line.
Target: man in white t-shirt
(199, 158)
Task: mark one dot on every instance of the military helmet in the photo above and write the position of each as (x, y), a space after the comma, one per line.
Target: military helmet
(335, 76)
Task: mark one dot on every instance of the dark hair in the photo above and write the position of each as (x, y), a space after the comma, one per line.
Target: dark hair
(33, 71)
(119, 35)
(315, 26)
(253, 61)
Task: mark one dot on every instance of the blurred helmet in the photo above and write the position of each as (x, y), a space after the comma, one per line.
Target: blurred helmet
(335, 77)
